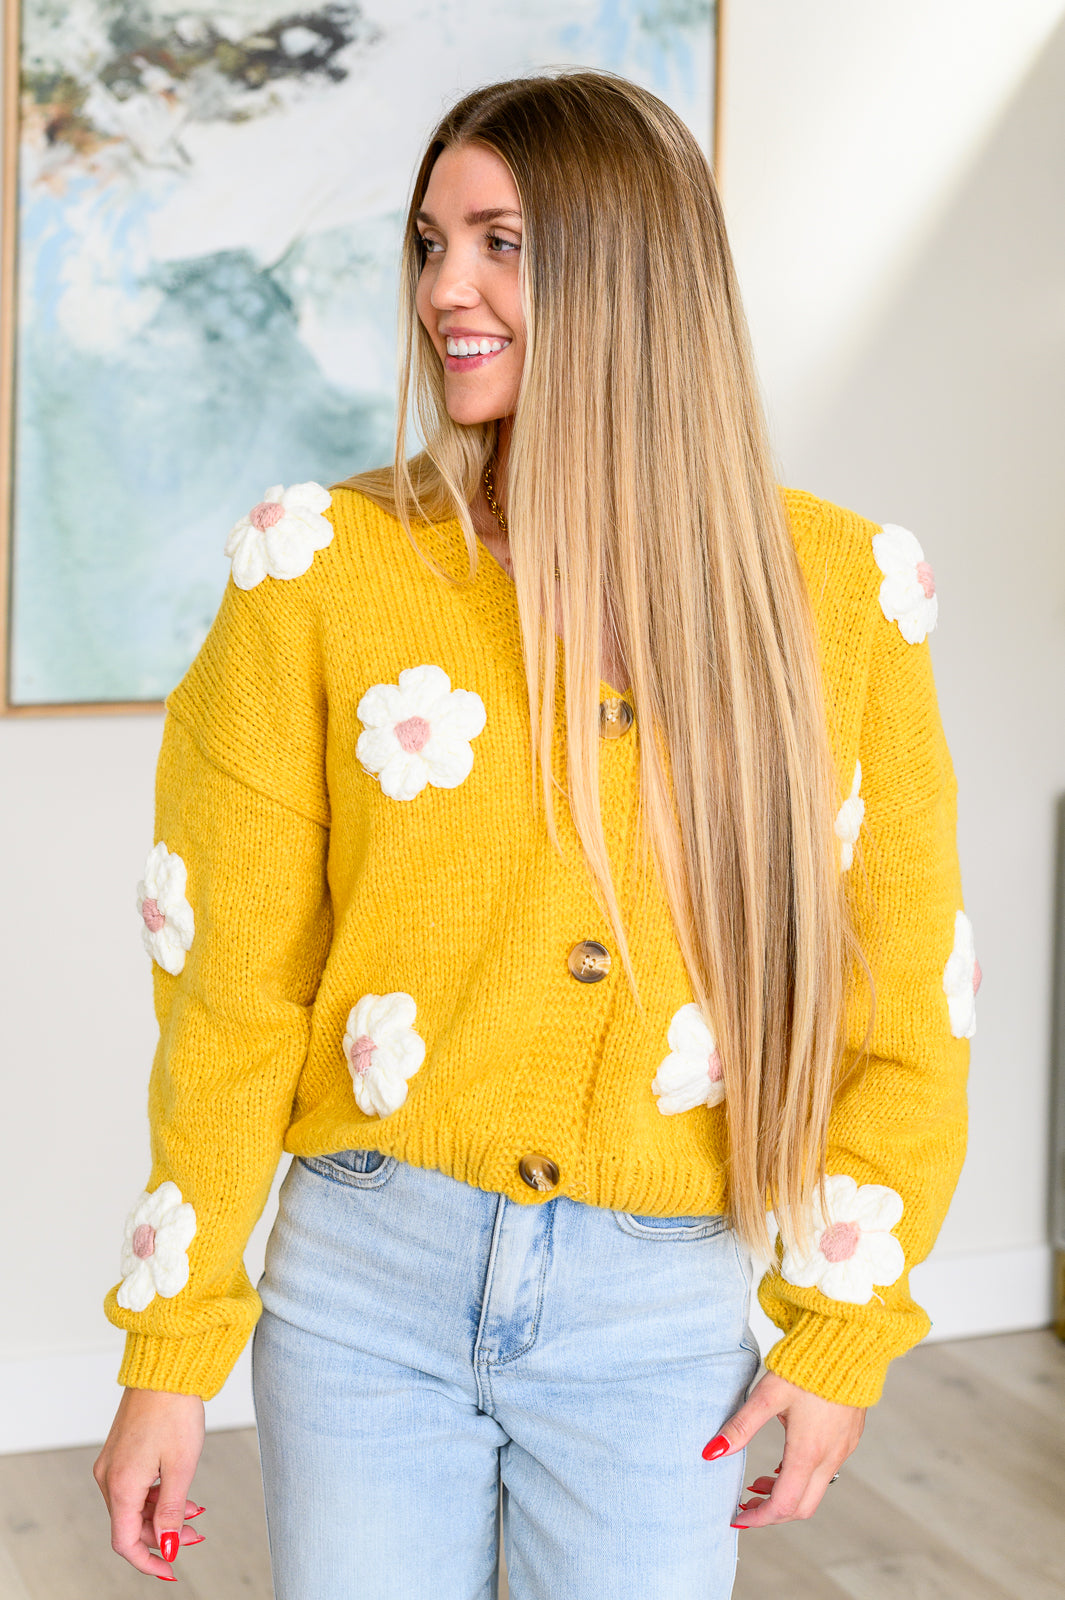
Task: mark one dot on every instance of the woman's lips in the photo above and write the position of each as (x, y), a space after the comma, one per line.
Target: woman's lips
(460, 358)
(469, 363)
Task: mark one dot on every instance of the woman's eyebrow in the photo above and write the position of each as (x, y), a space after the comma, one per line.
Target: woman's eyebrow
(472, 218)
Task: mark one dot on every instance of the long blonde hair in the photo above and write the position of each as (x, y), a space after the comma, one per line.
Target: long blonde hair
(639, 462)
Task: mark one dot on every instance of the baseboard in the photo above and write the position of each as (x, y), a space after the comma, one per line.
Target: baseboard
(57, 1401)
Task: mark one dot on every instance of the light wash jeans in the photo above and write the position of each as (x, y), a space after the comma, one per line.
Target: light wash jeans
(423, 1341)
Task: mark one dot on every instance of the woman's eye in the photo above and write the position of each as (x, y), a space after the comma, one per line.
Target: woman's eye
(505, 246)
(430, 247)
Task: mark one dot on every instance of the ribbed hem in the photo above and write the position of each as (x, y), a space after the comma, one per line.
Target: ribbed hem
(844, 1360)
(198, 1365)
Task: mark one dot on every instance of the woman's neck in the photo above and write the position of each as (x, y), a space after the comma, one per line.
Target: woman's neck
(612, 669)
(502, 460)
(487, 524)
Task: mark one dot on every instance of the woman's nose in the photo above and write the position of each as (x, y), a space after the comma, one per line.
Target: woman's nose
(454, 287)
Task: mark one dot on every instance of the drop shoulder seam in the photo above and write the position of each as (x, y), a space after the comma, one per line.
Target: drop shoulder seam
(237, 777)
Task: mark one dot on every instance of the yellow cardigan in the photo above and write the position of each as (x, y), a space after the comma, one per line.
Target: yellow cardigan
(363, 937)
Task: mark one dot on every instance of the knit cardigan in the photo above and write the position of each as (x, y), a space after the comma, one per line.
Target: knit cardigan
(363, 937)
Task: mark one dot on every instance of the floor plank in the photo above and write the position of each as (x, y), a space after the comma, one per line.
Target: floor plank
(1030, 1366)
(959, 1453)
(11, 1584)
(766, 1566)
(957, 1490)
(921, 1577)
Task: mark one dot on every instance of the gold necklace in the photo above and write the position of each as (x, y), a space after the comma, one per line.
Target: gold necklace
(610, 712)
(489, 489)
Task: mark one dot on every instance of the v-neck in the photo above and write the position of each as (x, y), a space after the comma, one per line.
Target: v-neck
(607, 691)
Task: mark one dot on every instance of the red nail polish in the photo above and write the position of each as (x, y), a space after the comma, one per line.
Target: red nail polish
(196, 1512)
(718, 1446)
(164, 1579)
(740, 1527)
(168, 1545)
(197, 1538)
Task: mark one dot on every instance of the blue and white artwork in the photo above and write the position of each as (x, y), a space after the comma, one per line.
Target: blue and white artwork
(209, 216)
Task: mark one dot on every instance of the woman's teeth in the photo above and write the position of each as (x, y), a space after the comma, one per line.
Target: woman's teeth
(475, 347)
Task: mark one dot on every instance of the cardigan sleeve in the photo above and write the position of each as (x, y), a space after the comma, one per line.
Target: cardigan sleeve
(897, 1132)
(239, 879)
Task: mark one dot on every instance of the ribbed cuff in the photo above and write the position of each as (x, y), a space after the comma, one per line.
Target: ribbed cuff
(844, 1359)
(198, 1365)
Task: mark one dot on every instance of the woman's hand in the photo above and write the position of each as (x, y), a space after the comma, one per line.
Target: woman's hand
(155, 1436)
(819, 1435)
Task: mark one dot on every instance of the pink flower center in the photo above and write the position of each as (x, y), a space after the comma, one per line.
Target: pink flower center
(840, 1241)
(153, 917)
(265, 514)
(361, 1051)
(978, 977)
(413, 733)
(714, 1070)
(144, 1241)
(926, 578)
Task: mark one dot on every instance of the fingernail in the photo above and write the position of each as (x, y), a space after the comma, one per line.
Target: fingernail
(718, 1446)
(740, 1527)
(197, 1538)
(163, 1578)
(168, 1545)
(196, 1512)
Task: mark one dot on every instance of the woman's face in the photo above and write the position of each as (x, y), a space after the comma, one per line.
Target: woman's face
(469, 291)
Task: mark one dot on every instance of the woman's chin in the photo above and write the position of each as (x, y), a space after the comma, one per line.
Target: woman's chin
(468, 407)
(468, 414)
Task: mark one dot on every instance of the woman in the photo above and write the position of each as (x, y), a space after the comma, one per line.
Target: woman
(542, 1069)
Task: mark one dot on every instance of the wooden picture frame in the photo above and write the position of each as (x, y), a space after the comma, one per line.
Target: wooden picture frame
(12, 702)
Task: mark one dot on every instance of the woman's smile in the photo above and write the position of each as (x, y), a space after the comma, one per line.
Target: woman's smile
(467, 350)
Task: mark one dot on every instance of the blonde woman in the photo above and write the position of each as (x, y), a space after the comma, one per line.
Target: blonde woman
(555, 855)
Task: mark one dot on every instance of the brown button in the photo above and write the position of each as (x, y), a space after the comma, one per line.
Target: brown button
(589, 961)
(615, 718)
(539, 1172)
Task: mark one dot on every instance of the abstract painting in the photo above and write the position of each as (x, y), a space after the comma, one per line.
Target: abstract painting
(206, 227)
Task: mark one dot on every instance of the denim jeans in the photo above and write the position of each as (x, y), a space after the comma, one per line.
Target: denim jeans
(430, 1353)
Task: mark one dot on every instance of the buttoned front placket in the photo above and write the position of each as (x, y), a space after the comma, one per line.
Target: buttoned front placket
(576, 997)
(591, 963)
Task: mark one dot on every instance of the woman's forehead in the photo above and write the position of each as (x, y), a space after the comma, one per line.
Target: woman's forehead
(474, 180)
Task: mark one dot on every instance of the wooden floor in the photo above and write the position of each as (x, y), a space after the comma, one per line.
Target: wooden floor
(957, 1493)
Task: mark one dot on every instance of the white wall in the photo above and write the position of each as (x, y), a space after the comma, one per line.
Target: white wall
(893, 182)
(894, 178)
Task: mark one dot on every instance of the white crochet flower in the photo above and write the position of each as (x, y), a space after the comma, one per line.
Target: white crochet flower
(382, 1051)
(159, 1230)
(418, 731)
(853, 1245)
(278, 537)
(691, 1075)
(848, 822)
(961, 979)
(169, 925)
(908, 592)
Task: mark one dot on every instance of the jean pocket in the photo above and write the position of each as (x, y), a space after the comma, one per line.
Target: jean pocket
(359, 1169)
(675, 1228)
